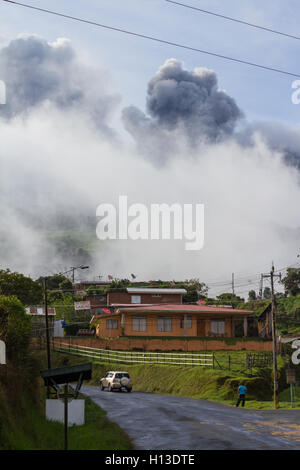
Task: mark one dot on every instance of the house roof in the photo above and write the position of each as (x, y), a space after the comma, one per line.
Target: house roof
(40, 311)
(186, 308)
(154, 290)
(174, 309)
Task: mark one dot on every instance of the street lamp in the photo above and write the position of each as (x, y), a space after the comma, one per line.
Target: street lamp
(72, 269)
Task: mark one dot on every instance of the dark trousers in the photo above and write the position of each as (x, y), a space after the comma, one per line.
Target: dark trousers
(241, 399)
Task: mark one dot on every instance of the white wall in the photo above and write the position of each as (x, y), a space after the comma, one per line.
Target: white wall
(55, 411)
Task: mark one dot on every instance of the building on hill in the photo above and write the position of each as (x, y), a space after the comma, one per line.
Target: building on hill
(38, 320)
(145, 295)
(135, 296)
(173, 320)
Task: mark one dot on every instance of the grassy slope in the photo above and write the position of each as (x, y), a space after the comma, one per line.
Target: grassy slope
(210, 384)
(23, 425)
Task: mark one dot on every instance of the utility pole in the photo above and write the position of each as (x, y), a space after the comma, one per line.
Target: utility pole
(232, 285)
(72, 270)
(275, 372)
(261, 286)
(47, 331)
(273, 320)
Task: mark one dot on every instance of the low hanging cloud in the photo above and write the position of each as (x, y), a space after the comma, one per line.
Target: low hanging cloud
(185, 103)
(59, 162)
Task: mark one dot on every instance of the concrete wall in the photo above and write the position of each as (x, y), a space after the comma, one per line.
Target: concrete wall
(175, 344)
(55, 411)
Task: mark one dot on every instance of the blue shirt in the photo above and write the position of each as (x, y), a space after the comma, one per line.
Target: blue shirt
(242, 389)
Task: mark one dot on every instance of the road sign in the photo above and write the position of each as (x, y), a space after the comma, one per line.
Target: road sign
(2, 353)
(290, 376)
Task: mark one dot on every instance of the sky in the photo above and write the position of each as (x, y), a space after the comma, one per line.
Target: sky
(97, 99)
(131, 61)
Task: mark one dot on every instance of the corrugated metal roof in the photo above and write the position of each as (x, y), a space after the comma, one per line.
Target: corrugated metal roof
(187, 308)
(153, 290)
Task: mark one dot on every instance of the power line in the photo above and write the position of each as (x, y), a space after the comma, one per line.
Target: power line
(152, 38)
(234, 19)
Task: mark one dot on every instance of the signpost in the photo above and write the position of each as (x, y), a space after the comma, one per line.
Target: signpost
(82, 305)
(66, 394)
(291, 380)
(2, 353)
(65, 375)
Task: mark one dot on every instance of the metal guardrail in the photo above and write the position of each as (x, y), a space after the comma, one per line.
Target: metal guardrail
(135, 357)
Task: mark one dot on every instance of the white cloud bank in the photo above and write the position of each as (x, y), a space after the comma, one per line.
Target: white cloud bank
(59, 160)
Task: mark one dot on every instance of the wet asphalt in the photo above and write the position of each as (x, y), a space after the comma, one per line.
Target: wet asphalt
(166, 422)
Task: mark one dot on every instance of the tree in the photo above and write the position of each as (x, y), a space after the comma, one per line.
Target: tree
(195, 284)
(64, 306)
(92, 290)
(291, 281)
(15, 328)
(66, 285)
(119, 283)
(267, 293)
(230, 299)
(28, 291)
(252, 295)
(57, 281)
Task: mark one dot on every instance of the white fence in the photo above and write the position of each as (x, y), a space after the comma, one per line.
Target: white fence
(135, 357)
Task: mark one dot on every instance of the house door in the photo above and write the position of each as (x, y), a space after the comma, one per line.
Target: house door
(201, 328)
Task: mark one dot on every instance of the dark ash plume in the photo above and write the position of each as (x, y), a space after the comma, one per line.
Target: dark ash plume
(36, 71)
(191, 102)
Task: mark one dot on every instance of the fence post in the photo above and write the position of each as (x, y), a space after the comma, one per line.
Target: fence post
(229, 360)
(213, 360)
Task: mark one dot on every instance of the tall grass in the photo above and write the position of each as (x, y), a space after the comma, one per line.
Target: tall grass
(23, 425)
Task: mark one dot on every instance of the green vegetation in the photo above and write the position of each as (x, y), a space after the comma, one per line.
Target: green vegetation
(205, 383)
(15, 328)
(22, 396)
(23, 425)
(291, 281)
(23, 287)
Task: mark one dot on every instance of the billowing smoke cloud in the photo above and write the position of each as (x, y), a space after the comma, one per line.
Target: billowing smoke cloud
(180, 102)
(56, 168)
(277, 137)
(36, 71)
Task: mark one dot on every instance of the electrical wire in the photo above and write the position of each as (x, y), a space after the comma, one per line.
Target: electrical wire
(274, 31)
(159, 40)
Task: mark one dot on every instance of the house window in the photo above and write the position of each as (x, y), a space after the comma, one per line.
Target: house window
(111, 324)
(164, 324)
(135, 299)
(218, 327)
(188, 322)
(139, 324)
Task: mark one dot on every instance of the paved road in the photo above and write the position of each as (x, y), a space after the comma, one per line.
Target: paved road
(166, 422)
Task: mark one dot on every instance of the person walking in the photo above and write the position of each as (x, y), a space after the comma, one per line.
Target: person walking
(242, 393)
